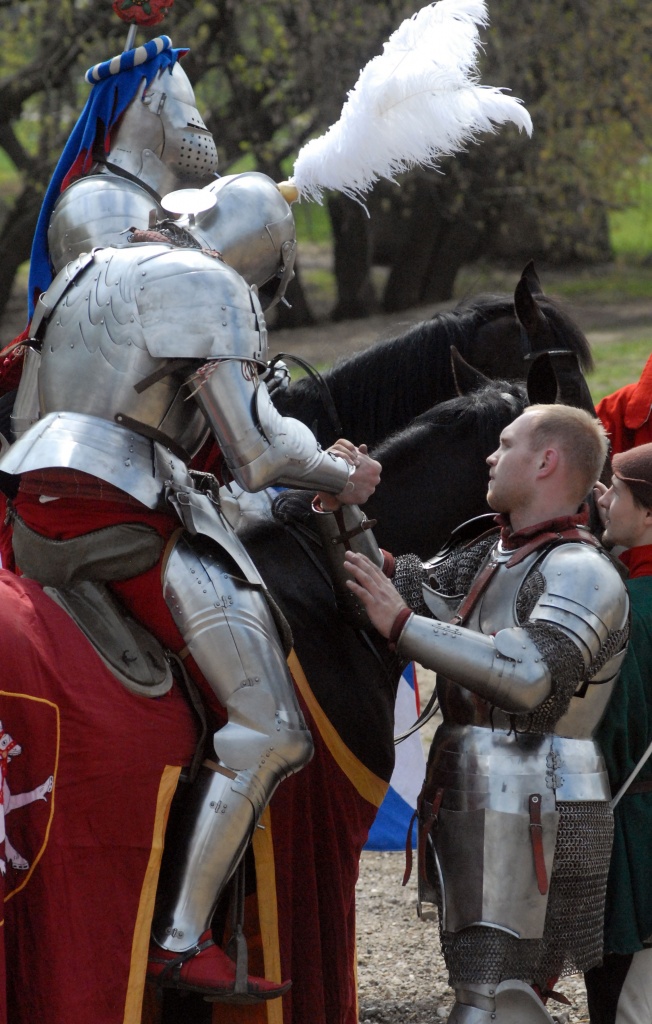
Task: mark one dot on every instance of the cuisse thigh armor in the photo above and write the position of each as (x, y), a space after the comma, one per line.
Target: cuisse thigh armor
(230, 632)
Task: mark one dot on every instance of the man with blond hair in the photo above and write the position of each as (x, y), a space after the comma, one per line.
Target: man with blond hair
(526, 626)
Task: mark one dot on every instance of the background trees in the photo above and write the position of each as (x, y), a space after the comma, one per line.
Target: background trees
(269, 75)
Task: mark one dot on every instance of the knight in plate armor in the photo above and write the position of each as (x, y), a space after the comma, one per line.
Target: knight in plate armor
(140, 351)
(525, 622)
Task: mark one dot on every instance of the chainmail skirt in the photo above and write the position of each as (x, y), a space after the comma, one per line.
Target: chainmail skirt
(572, 941)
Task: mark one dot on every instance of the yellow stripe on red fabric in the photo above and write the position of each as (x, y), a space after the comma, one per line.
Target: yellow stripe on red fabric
(369, 786)
(270, 1012)
(142, 928)
(263, 844)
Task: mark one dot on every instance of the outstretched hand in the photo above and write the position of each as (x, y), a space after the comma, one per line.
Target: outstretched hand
(362, 482)
(380, 598)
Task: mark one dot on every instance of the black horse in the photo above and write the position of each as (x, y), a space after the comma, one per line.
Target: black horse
(381, 389)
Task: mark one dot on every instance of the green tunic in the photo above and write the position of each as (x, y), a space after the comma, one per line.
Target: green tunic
(623, 735)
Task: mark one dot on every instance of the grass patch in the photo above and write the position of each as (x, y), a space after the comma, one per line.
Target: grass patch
(631, 228)
(617, 363)
(614, 283)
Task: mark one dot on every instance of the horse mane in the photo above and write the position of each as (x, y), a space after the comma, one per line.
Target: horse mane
(423, 350)
(292, 507)
(481, 413)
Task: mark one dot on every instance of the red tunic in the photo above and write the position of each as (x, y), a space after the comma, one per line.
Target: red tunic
(626, 414)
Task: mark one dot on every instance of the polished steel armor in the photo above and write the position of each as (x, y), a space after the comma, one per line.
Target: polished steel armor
(160, 144)
(143, 349)
(522, 687)
(252, 225)
(116, 349)
(231, 634)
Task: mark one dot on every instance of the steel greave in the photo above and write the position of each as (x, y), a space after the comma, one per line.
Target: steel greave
(230, 632)
(215, 826)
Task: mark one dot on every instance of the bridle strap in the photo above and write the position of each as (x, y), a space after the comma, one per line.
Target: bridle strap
(322, 387)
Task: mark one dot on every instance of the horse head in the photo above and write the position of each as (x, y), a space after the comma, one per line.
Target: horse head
(514, 333)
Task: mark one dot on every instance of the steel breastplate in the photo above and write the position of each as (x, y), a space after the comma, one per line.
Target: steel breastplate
(496, 610)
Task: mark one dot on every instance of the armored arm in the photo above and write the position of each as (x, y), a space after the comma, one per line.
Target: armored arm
(260, 446)
(582, 609)
(194, 306)
(506, 670)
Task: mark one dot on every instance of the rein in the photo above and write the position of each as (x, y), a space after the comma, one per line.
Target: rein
(302, 534)
(322, 387)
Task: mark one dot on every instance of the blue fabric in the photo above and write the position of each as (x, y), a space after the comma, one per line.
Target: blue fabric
(389, 830)
(107, 102)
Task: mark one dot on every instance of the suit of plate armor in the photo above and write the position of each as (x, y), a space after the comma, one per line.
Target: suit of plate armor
(516, 827)
(144, 349)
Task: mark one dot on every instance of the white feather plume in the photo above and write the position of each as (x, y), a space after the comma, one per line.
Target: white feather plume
(418, 101)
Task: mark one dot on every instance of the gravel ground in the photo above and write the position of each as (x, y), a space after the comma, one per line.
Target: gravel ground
(401, 973)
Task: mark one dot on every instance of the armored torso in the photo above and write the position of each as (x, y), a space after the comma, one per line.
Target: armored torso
(527, 644)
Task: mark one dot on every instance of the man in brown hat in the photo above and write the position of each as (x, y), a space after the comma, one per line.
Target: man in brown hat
(620, 991)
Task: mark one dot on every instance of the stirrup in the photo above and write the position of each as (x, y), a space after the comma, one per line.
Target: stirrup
(238, 951)
(236, 947)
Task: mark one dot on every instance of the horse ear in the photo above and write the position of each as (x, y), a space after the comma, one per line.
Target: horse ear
(530, 275)
(466, 377)
(531, 317)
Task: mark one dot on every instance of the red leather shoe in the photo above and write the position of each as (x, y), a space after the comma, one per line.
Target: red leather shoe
(207, 969)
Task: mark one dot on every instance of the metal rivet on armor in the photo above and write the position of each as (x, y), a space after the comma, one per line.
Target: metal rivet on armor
(596, 587)
(72, 344)
(127, 462)
(223, 323)
(223, 308)
(535, 800)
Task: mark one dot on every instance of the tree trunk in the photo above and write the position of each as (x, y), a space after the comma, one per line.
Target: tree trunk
(457, 244)
(16, 238)
(296, 313)
(352, 254)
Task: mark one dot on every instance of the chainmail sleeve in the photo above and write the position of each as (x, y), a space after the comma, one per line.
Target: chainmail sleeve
(451, 575)
(409, 576)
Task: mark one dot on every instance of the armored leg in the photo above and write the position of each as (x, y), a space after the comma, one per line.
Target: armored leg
(230, 632)
(510, 1002)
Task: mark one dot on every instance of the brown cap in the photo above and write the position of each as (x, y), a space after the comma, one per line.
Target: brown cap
(635, 469)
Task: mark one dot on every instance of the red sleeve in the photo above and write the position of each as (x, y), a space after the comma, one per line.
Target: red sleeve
(612, 410)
